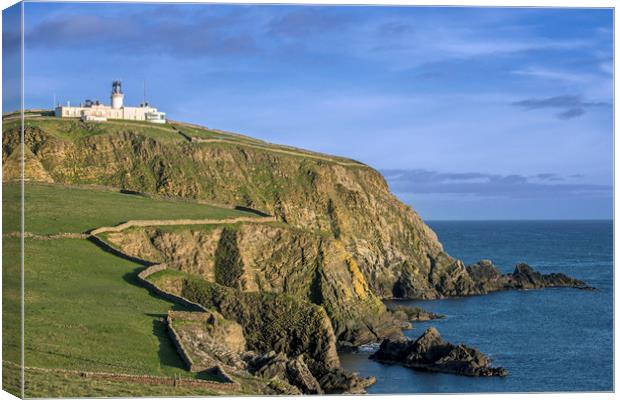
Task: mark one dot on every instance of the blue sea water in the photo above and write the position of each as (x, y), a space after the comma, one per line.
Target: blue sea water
(549, 340)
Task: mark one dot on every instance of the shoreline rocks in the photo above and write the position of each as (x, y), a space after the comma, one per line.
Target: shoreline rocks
(405, 313)
(430, 352)
(489, 279)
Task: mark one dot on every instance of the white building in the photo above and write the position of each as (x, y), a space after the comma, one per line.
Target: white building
(95, 111)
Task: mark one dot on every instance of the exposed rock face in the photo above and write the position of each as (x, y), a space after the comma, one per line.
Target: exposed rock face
(354, 241)
(294, 371)
(430, 352)
(272, 258)
(208, 338)
(397, 254)
(33, 170)
(343, 199)
(341, 381)
(293, 339)
(270, 321)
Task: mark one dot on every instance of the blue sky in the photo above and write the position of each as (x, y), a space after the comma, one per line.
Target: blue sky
(470, 113)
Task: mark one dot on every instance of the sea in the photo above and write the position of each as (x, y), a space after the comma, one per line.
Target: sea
(550, 340)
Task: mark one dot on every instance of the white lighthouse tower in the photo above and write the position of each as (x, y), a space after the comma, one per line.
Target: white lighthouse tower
(117, 95)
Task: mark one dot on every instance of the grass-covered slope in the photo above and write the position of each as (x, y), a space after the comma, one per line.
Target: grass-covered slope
(11, 290)
(86, 311)
(58, 209)
(84, 308)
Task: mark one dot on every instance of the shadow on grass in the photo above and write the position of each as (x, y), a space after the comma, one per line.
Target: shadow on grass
(167, 352)
(132, 279)
(212, 375)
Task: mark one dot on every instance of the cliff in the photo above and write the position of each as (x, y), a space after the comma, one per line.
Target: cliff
(343, 241)
(339, 198)
(274, 258)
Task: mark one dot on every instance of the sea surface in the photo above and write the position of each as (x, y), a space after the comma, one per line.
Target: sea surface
(549, 340)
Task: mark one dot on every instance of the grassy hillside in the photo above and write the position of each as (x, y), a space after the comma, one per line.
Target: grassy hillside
(84, 308)
(55, 208)
(86, 311)
(74, 129)
(11, 286)
(57, 384)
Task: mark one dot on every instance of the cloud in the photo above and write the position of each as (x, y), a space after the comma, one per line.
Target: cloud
(558, 75)
(548, 177)
(571, 113)
(573, 106)
(160, 33)
(478, 184)
(305, 21)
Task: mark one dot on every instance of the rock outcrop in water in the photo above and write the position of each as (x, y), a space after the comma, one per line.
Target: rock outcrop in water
(430, 352)
(412, 314)
(488, 278)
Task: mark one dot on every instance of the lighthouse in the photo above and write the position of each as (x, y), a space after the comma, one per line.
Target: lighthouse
(117, 95)
(98, 112)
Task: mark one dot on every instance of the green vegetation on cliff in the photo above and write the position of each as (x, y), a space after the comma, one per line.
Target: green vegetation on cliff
(271, 321)
(54, 208)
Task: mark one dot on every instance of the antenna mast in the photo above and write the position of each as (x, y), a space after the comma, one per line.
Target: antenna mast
(144, 91)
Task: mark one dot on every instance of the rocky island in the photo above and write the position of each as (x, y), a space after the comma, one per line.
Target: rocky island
(430, 352)
(310, 247)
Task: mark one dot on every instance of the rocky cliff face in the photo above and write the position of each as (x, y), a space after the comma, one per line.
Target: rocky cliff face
(393, 248)
(373, 243)
(275, 258)
(288, 338)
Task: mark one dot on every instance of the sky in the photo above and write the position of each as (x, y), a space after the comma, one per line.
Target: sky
(470, 113)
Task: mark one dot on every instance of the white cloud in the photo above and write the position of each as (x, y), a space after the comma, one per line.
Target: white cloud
(546, 73)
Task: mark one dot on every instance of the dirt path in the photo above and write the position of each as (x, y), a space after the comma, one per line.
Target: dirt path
(279, 149)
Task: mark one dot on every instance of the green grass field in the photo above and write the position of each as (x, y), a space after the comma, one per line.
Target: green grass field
(72, 129)
(86, 311)
(11, 286)
(11, 311)
(84, 307)
(54, 209)
(45, 384)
